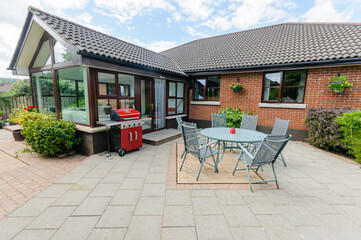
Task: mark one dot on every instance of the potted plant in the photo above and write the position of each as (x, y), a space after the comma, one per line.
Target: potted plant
(338, 84)
(236, 87)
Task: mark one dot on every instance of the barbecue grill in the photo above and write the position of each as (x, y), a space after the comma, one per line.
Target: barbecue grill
(124, 131)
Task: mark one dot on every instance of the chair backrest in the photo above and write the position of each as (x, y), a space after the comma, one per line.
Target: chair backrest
(219, 120)
(190, 137)
(270, 149)
(280, 127)
(179, 121)
(249, 122)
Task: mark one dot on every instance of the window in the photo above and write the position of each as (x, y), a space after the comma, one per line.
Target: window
(44, 90)
(73, 94)
(106, 84)
(284, 86)
(175, 98)
(43, 58)
(206, 88)
(126, 91)
(61, 54)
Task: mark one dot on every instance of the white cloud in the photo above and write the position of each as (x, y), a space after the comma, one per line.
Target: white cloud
(325, 11)
(190, 30)
(125, 10)
(159, 46)
(196, 9)
(243, 14)
(65, 4)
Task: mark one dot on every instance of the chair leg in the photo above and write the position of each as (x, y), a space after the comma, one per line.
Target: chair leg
(274, 173)
(249, 179)
(184, 151)
(257, 168)
(283, 160)
(235, 168)
(200, 168)
(184, 158)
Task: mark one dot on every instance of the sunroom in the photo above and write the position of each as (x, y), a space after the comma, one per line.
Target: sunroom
(80, 75)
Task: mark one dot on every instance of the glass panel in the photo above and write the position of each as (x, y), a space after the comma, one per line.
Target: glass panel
(180, 90)
(293, 94)
(106, 84)
(146, 104)
(271, 94)
(200, 83)
(73, 94)
(159, 103)
(213, 81)
(172, 87)
(43, 58)
(126, 103)
(126, 85)
(104, 107)
(294, 78)
(180, 106)
(273, 79)
(61, 54)
(171, 106)
(44, 91)
(198, 93)
(213, 94)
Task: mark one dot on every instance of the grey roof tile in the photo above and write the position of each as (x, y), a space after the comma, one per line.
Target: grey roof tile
(271, 45)
(91, 41)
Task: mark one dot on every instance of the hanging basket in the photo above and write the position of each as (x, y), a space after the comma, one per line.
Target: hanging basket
(236, 90)
(338, 91)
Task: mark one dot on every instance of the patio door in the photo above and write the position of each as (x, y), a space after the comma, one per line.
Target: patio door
(147, 103)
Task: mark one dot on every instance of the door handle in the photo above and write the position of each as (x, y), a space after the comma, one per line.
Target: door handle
(130, 137)
(136, 136)
(152, 106)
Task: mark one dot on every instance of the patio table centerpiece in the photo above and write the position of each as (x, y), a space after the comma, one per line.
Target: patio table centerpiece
(338, 84)
(236, 87)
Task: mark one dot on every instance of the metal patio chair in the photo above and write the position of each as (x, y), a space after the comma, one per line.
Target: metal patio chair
(280, 127)
(249, 122)
(267, 153)
(219, 120)
(202, 141)
(192, 146)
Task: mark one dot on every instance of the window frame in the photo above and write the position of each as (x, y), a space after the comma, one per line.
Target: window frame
(281, 86)
(175, 97)
(206, 88)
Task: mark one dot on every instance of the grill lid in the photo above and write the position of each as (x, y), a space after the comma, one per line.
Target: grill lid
(126, 114)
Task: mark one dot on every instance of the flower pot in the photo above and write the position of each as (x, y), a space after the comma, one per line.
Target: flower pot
(17, 135)
(6, 124)
(338, 91)
(236, 90)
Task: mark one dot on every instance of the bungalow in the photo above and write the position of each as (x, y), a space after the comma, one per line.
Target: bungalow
(80, 74)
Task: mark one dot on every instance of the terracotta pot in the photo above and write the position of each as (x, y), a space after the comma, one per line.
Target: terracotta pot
(17, 135)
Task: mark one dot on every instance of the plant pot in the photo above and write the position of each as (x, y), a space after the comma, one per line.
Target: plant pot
(17, 135)
(6, 124)
(338, 91)
(236, 90)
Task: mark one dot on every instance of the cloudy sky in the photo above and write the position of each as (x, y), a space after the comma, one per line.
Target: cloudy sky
(162, 24)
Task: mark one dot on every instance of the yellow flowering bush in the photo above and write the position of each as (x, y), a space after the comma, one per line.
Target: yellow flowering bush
(22, 114)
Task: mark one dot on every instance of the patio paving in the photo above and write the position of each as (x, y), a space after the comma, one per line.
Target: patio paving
(23, 175)
(134, 197)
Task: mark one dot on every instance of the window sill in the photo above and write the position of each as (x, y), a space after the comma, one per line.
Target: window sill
(283, 105)
(175, 116)
(212, 103)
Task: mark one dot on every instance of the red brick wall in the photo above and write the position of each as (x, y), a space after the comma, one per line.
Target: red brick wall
(317, 94)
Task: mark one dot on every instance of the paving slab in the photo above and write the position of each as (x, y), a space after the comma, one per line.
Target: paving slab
(51, 218)
(178, 216)
(107, 233)
(76, 228)
(92, 206)
(9, 227)
(144, 227)
(179, 233)
(116, 217)
(43, 234)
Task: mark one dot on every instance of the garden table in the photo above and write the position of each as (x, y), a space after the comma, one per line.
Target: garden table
(223, 135)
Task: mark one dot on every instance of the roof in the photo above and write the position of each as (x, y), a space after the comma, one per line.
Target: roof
(271, 45)
(6, 87)
(100, 44)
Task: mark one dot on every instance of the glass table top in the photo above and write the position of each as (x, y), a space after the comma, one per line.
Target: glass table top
(241, 135)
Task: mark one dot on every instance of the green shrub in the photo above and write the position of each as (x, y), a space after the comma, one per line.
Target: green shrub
(323, 131)
(351, 127)
(50, 137)
(22, 114)
(234, 116)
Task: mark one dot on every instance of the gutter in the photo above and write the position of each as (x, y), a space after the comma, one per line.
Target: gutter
(313, 64)
(128, 64)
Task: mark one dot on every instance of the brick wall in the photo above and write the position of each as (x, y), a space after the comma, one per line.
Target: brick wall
(317, 94)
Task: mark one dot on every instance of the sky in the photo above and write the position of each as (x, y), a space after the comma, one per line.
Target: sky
(162, 24)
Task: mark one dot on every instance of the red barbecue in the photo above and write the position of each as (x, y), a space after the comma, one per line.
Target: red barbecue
(125, 130)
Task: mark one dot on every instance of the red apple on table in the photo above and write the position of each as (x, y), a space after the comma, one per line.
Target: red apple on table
(232, 131)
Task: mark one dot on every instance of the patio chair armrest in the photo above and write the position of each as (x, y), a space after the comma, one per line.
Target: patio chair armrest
(208, 144)
(245, 150)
